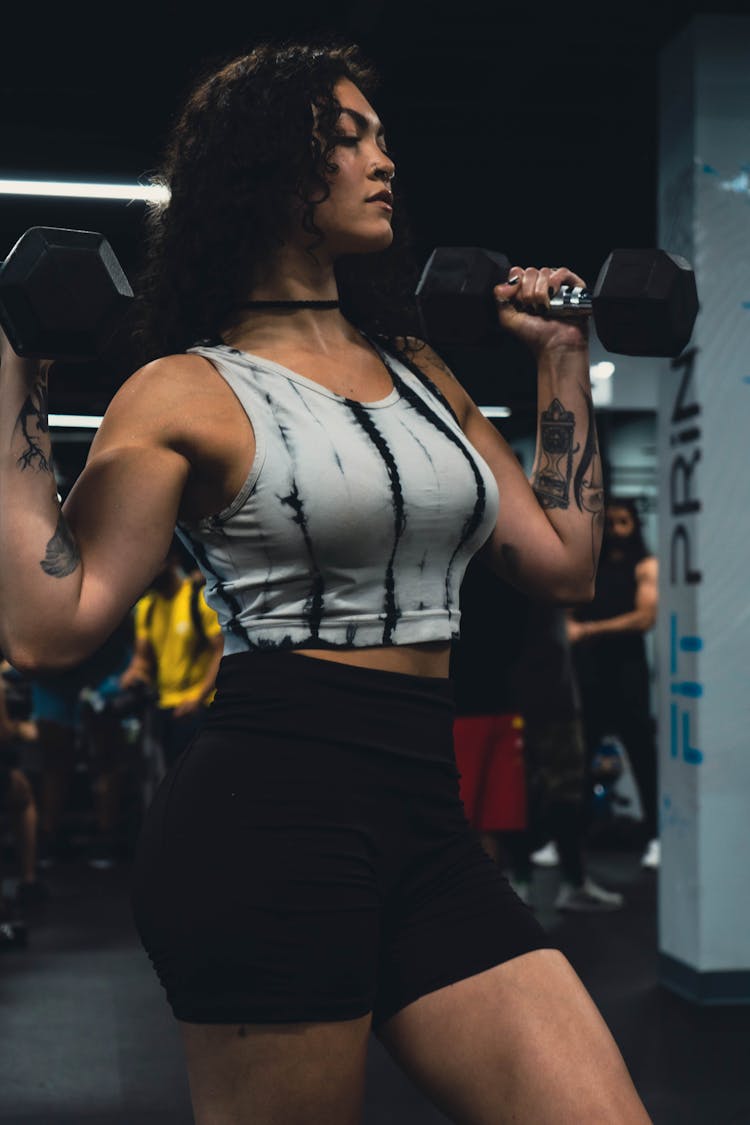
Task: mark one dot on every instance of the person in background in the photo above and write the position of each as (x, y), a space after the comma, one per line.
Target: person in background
(178, 649)
(514, 683)
(56, 707)
(487, 730)
(544, 689)
(108, 749)
(55, 711)
(610, 655)
(17, 804)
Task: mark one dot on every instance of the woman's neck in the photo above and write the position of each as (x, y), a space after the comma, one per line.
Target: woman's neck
(292, 276)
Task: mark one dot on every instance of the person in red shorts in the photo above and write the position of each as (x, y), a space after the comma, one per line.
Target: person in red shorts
(488, 729)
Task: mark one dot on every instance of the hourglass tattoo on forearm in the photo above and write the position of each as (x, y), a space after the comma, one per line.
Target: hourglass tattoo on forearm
(552, 480)
(62, 555)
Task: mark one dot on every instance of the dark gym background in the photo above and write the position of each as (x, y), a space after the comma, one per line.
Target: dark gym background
(520, 127)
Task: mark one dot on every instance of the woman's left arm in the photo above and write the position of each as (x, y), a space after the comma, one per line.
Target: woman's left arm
(548, 534)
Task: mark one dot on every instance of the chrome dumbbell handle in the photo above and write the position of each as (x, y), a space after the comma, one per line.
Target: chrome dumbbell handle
(571, 300)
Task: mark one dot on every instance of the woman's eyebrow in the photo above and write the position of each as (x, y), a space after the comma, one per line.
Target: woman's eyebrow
(362, 121)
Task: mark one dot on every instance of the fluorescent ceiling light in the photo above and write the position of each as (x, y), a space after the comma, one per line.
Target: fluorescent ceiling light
(92, 422)
(74, 421)
(152, 194)
(496, 411)
(603, 370)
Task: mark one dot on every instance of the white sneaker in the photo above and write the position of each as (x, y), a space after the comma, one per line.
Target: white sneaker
(652, 855)
(589, 897)
(547, 856)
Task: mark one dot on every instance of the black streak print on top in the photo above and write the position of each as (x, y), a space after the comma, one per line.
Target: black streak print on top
(392, 613)
(313, 611)
(315, 601)
(475, 519)
(295, 389)
(198, 551)
(424, 449)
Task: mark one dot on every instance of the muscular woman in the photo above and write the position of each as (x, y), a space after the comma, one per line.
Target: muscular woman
(332, 478)
(610, 655)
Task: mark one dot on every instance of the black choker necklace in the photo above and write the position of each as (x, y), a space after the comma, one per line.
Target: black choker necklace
(289, 305)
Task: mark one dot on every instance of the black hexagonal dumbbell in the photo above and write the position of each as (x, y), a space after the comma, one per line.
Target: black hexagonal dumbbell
(644, 302)
(63, 294)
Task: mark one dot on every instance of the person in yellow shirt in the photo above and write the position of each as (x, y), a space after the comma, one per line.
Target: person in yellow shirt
(178, 648)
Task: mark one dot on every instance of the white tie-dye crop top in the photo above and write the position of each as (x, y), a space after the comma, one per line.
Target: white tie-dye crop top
(356, 522)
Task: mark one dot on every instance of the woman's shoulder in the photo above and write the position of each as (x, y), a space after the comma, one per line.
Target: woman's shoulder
(166, 394)
(177, 411)
(171, 373)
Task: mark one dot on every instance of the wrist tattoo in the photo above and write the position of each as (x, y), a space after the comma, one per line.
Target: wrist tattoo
(62, 556)
(34, 412)
(551, 481)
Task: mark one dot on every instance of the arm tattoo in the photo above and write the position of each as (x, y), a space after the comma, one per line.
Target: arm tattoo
(588, 455)
(589, 489)
(62, 555)
(551, 481)
(35, 410)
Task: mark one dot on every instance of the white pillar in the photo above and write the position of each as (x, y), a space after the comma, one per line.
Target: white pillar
(704, 520)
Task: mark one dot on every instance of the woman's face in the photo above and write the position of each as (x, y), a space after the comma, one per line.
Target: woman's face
(620, 522)
(350, 223)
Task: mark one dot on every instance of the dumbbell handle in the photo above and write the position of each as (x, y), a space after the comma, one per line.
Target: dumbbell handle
(568, 302)
(571, 300)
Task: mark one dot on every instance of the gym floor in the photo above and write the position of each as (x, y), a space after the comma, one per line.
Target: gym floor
(87, 1038)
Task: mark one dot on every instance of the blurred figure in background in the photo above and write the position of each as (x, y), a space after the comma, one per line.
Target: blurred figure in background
(488, 727)
(178, 649)
(110, 754)
(57, 711)
(18, 807)
(610, 655)
(544, 689)
(518, 737)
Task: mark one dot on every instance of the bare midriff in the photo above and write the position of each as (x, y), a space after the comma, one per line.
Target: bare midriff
(430, 658)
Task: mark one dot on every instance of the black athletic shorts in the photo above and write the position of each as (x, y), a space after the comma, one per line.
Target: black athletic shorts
(308, 857)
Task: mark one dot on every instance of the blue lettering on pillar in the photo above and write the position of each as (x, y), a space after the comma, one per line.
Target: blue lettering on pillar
(680, 713)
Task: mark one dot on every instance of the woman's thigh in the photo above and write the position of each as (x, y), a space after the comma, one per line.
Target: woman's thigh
(277, 1074)
(520, 1042)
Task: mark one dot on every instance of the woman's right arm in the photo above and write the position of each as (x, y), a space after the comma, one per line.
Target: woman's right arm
(68, 575)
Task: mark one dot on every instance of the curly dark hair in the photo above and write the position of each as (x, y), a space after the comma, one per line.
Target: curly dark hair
(240, 149)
